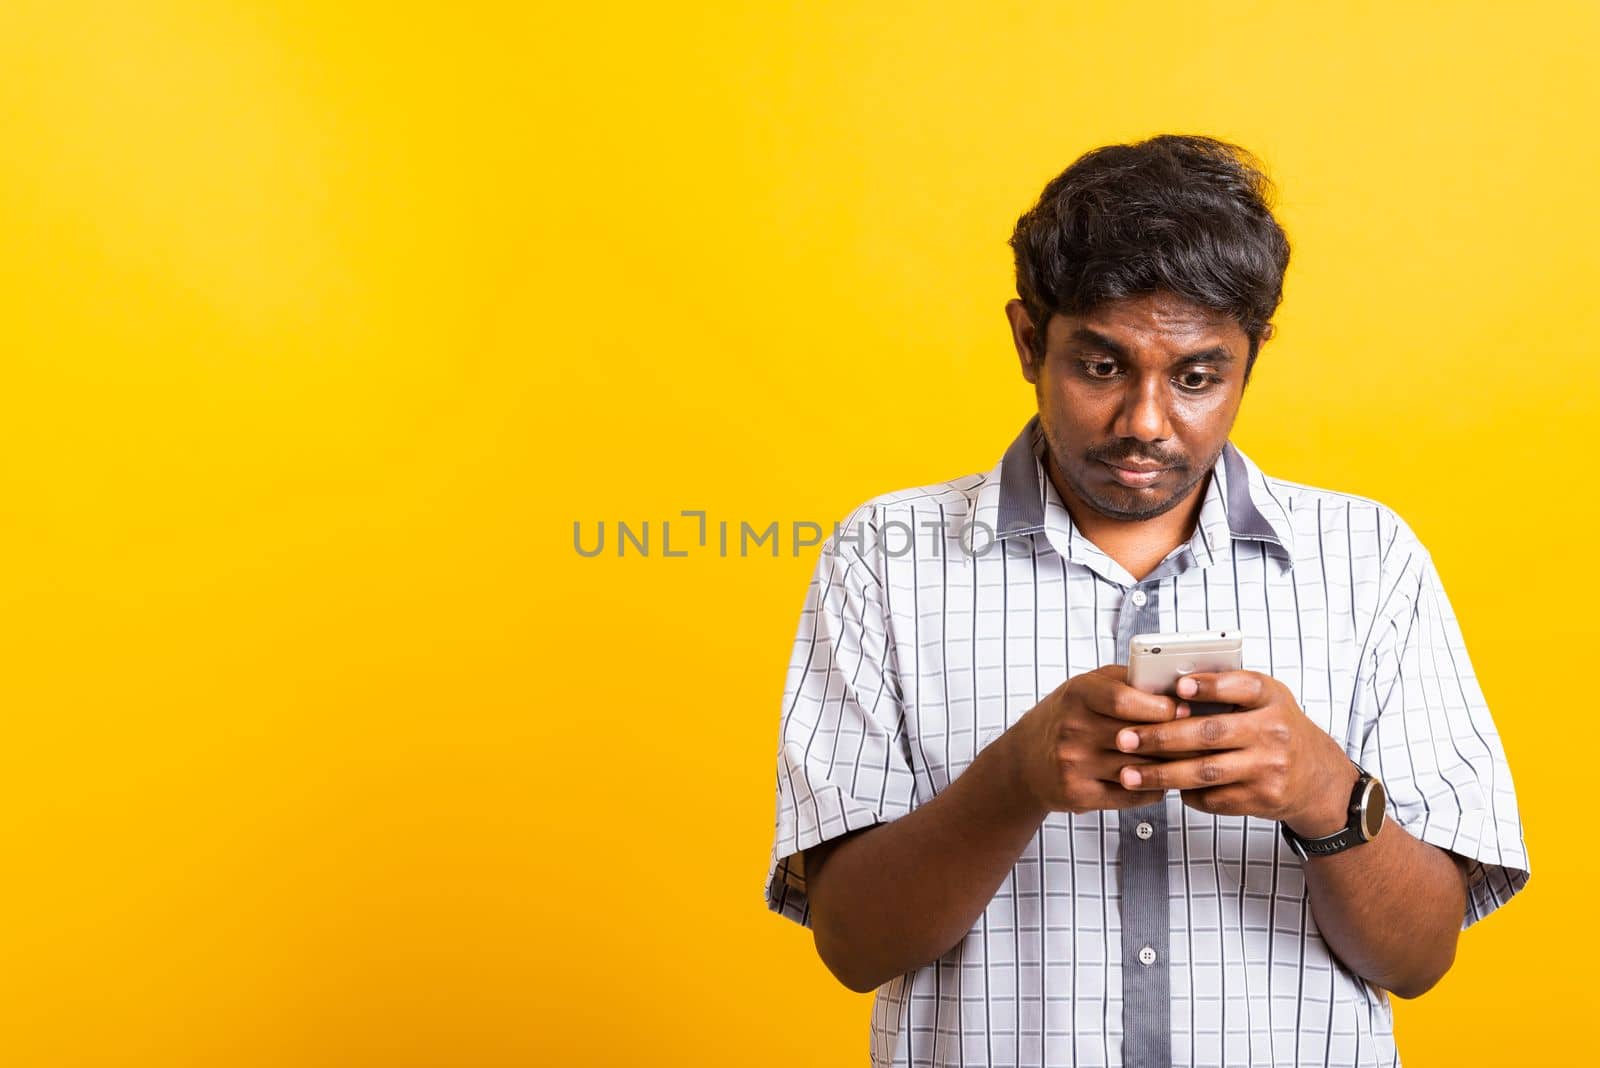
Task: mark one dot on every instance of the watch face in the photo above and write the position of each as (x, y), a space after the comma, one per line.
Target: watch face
(1372, 810)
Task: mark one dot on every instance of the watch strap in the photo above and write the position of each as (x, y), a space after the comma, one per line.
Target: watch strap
(1337, 842)
(1345, 838)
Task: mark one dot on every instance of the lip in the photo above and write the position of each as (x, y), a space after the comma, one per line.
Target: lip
(1130, 477)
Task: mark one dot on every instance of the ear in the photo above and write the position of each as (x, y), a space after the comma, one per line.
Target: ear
(1022, 335)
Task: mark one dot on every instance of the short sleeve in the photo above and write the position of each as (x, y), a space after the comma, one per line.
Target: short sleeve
(843, 757)
(1426, 732)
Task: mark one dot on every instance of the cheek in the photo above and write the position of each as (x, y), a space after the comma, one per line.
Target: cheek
(1214, 411)
(1197, 419)
(1084, 403)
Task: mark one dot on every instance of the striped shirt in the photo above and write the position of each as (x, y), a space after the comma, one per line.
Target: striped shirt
(1159, 935)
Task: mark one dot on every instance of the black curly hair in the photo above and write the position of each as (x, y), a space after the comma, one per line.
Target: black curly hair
(1188, 215)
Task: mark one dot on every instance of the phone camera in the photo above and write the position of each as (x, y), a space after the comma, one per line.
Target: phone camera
(1157, 649)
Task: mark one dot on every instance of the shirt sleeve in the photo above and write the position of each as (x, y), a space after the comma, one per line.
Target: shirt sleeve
(843, 756)
(1426, 732)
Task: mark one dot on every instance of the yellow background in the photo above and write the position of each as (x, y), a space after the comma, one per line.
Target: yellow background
(324, 322)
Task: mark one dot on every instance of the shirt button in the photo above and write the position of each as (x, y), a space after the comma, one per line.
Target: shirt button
(1144, 830)
(1147, 956)
(1139, 598)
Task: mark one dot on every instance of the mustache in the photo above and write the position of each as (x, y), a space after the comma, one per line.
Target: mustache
(1121, 456)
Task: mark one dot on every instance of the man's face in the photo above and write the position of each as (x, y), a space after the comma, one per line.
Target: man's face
(1152, 381)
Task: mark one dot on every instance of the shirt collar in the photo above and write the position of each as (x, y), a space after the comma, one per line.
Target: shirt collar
(1238, 502)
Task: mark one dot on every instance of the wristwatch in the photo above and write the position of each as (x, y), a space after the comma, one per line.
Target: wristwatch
(1367, 803)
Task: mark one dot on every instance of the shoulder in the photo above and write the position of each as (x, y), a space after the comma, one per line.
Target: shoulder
(1368, 556)
(894, 524)
(953, 496)
(947, 501)
(1369, 531)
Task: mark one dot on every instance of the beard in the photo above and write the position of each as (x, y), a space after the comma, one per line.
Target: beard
(1092, 482)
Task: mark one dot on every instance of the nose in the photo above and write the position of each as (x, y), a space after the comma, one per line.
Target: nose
(1143, 413)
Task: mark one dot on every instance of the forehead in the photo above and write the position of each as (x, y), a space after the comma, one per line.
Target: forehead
(1157, 322)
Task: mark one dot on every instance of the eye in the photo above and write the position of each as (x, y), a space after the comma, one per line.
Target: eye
(1094, 368)
(1198, 381)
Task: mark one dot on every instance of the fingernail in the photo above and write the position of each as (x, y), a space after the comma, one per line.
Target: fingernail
(1131, 778)
(1183, 709)
(1127, 741)
(1187, 687)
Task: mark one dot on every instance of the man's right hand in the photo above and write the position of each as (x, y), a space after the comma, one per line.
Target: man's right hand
(1065, 746)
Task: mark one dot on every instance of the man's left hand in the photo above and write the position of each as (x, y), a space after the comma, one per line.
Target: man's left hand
(1267, 759)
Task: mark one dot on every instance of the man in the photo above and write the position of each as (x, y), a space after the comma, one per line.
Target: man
(1034, 863)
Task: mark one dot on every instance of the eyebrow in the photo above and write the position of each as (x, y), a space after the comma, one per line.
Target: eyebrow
(1084, 335)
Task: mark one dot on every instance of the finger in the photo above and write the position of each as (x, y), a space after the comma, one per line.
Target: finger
(1115, 797)
(1213, 769)
(1120, 798)
(1195, 734)
(1091, 795)
(1220, 800)
(1101, 732)
(1108, 768)
(1103, 692)
(1113, 671)
(1119, 673)
(1248, 689)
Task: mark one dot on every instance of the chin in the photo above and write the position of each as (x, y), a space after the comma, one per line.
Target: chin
(1133, 504)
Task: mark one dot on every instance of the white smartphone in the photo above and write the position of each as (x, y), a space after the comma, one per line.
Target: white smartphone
(1157, 661)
